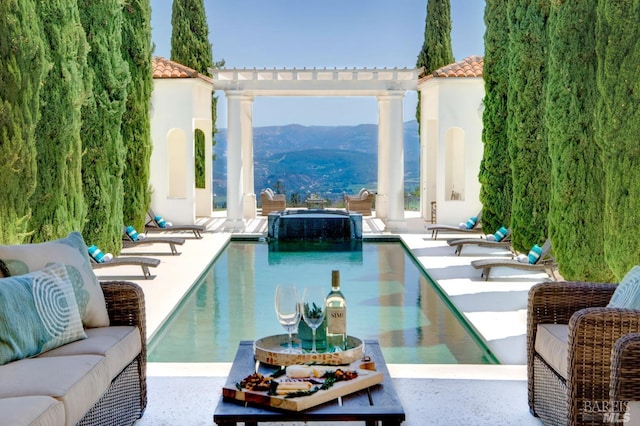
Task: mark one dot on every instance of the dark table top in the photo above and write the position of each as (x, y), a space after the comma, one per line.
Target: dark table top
(377, 403)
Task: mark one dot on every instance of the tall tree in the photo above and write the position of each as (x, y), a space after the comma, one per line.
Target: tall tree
(104, 157)
(58, 203)
(190, 46)
(526, 127)
(618, 126)
(495, 167)
(22, 69)
(436, 48)
(577, 190)
(136, 126)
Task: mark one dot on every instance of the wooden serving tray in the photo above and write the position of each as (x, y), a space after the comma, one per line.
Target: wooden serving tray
(365, 379)
(272, 350)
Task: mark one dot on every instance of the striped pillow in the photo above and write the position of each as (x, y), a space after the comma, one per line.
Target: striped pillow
(627, 294)
(534, 254)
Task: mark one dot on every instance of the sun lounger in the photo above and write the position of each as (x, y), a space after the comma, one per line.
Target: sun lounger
(128, 242)
(459, 243)
(153, 226)
(144, 262)
(546, 263)
(476, 229)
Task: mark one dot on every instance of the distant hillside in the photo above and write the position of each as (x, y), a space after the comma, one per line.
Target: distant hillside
(319, 159)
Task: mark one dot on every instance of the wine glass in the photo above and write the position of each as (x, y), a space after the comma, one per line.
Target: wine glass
(287, 309)
(313, 310)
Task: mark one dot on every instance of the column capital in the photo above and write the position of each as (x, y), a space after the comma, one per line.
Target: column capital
(391, 94)
(238, 94)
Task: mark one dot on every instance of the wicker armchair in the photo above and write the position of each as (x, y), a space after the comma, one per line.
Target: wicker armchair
(359, 203)
(625, 373)
(583, 396)
(272, 202)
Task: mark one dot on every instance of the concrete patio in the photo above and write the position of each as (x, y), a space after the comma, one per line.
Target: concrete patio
(186, 394)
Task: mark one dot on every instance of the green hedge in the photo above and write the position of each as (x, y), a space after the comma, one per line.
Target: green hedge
(495, 167)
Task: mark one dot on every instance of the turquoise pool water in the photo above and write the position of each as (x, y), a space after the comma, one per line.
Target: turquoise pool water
(389, 298)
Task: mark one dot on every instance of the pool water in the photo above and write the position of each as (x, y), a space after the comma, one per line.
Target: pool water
(389, 298)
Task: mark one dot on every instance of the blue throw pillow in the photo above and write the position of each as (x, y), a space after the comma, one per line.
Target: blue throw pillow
(72, 252)
(132, 233)
(160, 221)
(471, 222)
(38, 312)
(627, 294)
(500, 234)
(534, 254)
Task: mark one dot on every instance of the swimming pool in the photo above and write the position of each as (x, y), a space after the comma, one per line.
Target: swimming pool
(389, 298)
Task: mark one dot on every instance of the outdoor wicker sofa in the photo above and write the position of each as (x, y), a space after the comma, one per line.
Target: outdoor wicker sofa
(580, 361)
(361, 203)
(272, 202)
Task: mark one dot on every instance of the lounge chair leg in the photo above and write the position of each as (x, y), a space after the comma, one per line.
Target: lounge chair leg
(485, 273)
(146, 272)
(174, 251)
(459, 249)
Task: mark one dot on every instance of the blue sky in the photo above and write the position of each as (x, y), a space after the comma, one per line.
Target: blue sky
(327, 33)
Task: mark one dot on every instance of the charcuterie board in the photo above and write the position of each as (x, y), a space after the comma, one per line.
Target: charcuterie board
(357, 379)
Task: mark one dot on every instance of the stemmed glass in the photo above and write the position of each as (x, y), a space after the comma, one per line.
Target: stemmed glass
(313, 311)
(287, 309)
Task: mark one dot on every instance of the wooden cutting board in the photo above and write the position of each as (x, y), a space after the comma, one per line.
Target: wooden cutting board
(365, 379)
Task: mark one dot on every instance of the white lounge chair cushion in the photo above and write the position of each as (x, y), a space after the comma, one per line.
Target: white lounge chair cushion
(627, 294)
(552, 345)
(32, 410)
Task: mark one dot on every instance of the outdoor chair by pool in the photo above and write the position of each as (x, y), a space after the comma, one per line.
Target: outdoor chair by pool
(130, 239)
(272, 202)
(582, 365)
(361, 203)
(157, 224)
(459, 243)
(475, 229)
(545, 263)
(144, 262)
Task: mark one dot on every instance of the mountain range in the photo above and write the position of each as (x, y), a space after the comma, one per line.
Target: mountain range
(326, 160)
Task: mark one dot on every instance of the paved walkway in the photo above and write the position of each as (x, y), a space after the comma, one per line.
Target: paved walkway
(431, 394)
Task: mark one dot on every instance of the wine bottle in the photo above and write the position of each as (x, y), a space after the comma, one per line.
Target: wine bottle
(336, 312)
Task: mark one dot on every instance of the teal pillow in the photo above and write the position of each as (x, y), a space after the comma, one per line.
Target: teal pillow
(471, 222)
(534, 254)
(38, 312)
(500, 233)
(72, 252)
(160, 221)
(132, 233)
(627, 294)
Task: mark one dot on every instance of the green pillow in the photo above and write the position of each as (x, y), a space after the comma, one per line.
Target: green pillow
(73, 253)
(627, 294)
(38, 312)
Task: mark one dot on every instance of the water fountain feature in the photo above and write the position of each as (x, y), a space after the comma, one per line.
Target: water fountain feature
(314, 224)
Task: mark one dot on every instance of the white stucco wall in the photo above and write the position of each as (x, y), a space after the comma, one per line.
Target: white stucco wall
(451, 106)
(179, 106)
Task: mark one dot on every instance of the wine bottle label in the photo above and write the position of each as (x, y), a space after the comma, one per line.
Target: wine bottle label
(336, 320)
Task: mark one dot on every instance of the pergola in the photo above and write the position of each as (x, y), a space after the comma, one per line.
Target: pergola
(387, 85)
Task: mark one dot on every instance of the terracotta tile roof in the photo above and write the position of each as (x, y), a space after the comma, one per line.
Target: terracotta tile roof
(470, 66)
(164, 68)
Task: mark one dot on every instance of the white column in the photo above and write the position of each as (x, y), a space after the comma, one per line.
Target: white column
(246, 125)
(234, 162)
(391, 160)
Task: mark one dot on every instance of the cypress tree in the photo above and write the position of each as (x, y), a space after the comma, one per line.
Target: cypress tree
(58, 203)
(618, 126)
(436, 48)
(104, 157)
(526, 125)
(190, 46)
(495, 167)
(22, 68)
(136, 125)
(577, 185)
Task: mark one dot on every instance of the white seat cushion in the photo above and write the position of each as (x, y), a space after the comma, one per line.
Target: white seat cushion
(119, 345)
(31, 411)
(78, 381)
(552, 344)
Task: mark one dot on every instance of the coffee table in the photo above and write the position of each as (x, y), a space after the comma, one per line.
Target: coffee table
(374, 404)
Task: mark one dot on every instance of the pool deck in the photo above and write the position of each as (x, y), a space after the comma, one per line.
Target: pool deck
(186, 394)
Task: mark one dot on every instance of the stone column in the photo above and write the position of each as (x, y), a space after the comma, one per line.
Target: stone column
(246, 126)
(235, 173)
(391, 161)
